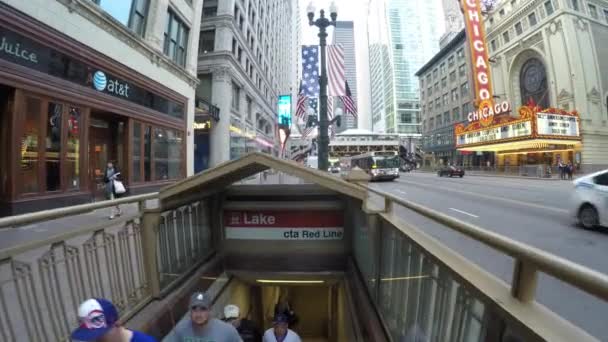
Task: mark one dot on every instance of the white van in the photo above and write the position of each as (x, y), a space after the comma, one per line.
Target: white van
(590, 200)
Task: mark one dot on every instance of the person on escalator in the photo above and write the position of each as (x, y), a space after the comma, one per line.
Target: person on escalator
(200, 326)
(246, 328)
(280, 331)
(283, 307)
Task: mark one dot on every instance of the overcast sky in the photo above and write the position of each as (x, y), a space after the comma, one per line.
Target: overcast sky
(347, 10)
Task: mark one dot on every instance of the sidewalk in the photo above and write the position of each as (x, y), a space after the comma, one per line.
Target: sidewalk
(39, 231)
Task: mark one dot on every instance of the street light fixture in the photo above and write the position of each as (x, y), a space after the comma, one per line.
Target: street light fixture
(323, 23)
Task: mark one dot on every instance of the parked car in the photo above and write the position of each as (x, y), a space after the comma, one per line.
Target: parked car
(451, 171)
(590, 200)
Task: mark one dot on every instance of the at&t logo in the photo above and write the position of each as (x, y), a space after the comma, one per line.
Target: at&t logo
(103, 83)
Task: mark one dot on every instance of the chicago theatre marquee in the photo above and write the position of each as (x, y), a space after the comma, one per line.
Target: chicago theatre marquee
(540, 90)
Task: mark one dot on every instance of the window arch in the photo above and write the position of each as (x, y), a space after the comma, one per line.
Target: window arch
(533, 83)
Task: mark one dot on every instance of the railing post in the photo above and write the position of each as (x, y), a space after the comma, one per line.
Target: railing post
(525, 277)
(388, 205)
(149, 235)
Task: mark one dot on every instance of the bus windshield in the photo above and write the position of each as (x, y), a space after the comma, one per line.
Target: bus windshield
(386, 162)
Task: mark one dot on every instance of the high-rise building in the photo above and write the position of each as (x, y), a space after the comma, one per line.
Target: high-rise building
(344, 35)
(245, 62)
(454, 22)
(403, 35)
(84, 82)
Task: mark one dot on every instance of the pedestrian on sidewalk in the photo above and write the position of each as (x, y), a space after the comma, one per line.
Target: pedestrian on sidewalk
(111, 175)
(280, 331)
(562, 170)
(98, 319)
(570, 171)
(200, 326)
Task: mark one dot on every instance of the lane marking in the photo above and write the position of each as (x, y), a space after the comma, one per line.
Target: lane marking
(500, 199)
(463, 212)
(401, 192)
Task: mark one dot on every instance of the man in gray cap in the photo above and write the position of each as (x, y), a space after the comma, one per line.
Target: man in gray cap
(200, 326)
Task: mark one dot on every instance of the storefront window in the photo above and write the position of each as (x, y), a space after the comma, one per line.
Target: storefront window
(73, 149)
(53, 147)
(136, 152)
(167, 154)
(147, 154)
(29, 146)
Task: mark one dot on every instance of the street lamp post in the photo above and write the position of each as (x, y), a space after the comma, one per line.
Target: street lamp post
(323, 23)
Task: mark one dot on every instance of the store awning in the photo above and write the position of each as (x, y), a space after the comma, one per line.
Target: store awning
(527, 146)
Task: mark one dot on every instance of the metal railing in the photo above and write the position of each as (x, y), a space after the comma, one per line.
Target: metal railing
(529, 261)
(43, 282)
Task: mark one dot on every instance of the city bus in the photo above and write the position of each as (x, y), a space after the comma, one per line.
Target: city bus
(379, 165)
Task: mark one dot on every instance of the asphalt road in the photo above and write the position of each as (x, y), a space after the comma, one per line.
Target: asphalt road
(535, 212)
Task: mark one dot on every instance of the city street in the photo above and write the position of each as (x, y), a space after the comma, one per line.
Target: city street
(535, 212)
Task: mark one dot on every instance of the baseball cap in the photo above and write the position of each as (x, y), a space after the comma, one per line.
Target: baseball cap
(200, 299)
(97, 316)
(231, 311)
(281, 318)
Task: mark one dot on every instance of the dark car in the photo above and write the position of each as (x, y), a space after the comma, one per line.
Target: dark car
(451, 171)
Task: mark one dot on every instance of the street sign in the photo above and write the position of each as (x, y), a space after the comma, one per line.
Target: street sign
(299, 225)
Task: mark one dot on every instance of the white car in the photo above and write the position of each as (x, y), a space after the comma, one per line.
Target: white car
(590, 200)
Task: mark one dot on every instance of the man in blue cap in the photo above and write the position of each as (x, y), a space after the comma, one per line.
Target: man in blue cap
(98, 319)
(280, 331)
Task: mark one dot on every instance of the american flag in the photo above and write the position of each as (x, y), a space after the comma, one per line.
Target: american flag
(301, 104)
(335, 70)
(310, 70)
(313, 103)
(349, 105)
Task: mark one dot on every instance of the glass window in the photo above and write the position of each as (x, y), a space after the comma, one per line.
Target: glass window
(249, 108)
(593, 11)
(549, 7)
(464, 89)
(601, 179)
(444, 82)
(29, 146)
(453, 76)
(518, 28)
(72, 160)
(167, 154)
(606, 15)
(206, 42)
(460, 53)
(532, 19)
(505, 36)
(147, 153)
(131, 13)
(574, 4)
(456, 112)
(210, 8)
(493, 45)
(461, 70)
(236, 96)
(136, 153)
(53, 147)
(176, 39)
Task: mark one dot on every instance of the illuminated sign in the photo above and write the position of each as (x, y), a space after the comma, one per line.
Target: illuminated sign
(556, 124)
(479, 54)
(284, 225)
(497, 133)
(202, 125)
(488, 112)
(284, 109)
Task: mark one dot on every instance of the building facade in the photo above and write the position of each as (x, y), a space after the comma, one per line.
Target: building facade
(553, 53)
(86, 82)
(445, 100)
(245, 62)
(403, 35)
(344, 34)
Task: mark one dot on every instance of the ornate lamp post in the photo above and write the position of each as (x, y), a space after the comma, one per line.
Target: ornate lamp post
(323, 23)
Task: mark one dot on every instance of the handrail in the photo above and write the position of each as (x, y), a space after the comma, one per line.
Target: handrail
(20, 220)
(572, 273)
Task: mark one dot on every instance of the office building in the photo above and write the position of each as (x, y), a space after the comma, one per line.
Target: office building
(403, 35)
(245, 62)
(86, 82)
(446, 99)
(344, 35)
